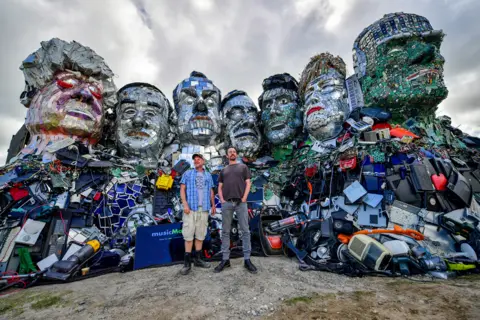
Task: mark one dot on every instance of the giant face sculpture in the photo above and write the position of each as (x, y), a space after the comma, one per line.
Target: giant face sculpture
(197, 103)
(397, 60)
(240, 117)
(68, 86)
(70, 105)
(144, 120)
(322, 88)
(281, 112)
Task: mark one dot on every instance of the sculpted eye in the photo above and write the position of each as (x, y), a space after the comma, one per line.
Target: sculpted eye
(394, 51)
(130, 112)
(150, 114)
(284, 100)
(96, 92)
(67, 83)
(189, 101)
(210, 103)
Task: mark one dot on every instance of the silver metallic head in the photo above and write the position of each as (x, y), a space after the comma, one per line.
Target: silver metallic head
(197, 102)
(322, 88)
(281, 111)
(145, 121)
(240, 118)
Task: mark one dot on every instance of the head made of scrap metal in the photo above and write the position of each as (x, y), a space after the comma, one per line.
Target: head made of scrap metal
(398, 62)
(324, 95)
(68, 88)
(240, 119)
(197, 102)
(280, 108)
(145, 121)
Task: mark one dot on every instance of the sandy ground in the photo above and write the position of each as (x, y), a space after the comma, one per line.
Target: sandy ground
(278, 291)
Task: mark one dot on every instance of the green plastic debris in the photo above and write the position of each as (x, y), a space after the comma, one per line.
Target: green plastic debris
(26, 263)
(117, 172)
(140, 170)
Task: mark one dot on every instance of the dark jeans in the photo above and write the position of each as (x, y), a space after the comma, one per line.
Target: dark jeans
(227, 216)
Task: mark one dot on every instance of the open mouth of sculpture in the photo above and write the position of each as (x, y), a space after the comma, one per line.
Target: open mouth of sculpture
(201, 122)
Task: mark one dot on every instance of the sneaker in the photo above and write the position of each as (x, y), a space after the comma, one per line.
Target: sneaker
(249, 266)
(222, 265)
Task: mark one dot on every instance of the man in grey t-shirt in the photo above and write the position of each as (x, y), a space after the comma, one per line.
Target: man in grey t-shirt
(233, 188)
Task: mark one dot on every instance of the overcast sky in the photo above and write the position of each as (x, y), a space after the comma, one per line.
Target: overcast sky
(236, 43)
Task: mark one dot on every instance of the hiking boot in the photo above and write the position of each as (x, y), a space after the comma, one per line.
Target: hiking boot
(222, 265)
(198, 262)
(249, 266)
(187, 266)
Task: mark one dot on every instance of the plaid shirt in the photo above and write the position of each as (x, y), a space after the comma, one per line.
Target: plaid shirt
(188, 179)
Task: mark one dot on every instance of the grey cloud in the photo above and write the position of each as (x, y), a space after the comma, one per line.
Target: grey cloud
(237, 43)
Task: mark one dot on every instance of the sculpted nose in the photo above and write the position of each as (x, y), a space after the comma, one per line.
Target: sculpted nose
(139, 120)
(201, 107)
(424, 54)
(276, 108)
(250, 122)
(84, 95)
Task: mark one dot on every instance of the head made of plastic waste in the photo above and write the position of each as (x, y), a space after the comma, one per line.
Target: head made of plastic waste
(398, 62)
(197, 102)
(68, 89)
(324, 95)
(240, 118)
(281, 111)
(145, 121)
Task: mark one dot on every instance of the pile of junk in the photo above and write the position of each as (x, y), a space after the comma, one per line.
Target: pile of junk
(355, 176)
(400, 205)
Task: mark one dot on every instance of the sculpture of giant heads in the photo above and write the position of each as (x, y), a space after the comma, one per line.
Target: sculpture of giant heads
(240, 118)
(68, 88)
(324, 95)
(197, 102)
(280, 107)
(398, 62)
(145, 121)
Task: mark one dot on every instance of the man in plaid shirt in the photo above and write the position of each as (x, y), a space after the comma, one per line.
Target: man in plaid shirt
(196, 191)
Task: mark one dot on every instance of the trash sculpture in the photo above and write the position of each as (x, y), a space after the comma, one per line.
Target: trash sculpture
(398, 62)
(378, 186)
(68, 90)
(322, 89)
(241, 121)
(145, 121)
(281, 110)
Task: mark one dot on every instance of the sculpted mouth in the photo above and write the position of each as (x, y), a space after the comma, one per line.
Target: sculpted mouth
(277, 126)
(314, 109)
(248, 133)
(201, 122)
(139, 134)
(423, 73)
(82, 114)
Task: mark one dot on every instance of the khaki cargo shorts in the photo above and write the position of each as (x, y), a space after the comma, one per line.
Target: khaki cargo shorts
(195, 225)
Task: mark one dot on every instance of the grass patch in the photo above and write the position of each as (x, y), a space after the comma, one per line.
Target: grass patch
(5, 308)
(16, 303)
(46, 302)
(359, 295)
(295, 300)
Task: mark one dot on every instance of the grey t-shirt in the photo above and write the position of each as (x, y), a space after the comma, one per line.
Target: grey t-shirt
(233, 178)
(200, 184)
